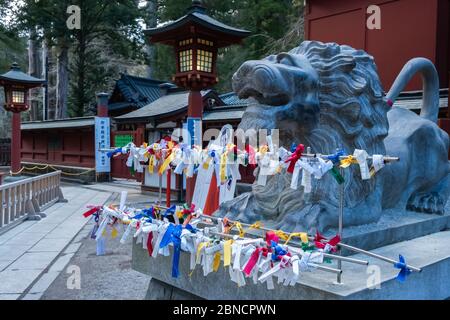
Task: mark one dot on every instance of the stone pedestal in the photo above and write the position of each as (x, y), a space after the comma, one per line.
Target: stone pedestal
(431, 252)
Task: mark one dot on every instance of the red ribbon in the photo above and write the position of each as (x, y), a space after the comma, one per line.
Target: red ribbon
(295, 157)
(189, 211)
(149, 244)
(332, 242)
(89, 213)
(271, 236)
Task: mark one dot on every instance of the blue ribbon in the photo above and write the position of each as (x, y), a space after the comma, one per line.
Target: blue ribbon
(277, 251)
(149, 212)
(113, 153)
(173, 235)
(191, 229)
(404, 270)
(293, 147)
(170, 211)
(336, 158)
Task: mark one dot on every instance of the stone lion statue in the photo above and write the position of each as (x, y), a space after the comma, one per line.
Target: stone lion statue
(328, 96)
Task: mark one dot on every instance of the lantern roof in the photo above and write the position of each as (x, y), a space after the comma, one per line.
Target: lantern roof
(206, 25)
(16, 76)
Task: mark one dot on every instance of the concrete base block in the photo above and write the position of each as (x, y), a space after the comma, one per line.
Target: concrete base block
(158, 290)
(33, 217)
(431, 253)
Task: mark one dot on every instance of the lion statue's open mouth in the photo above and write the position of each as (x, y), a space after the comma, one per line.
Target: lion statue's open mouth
(328, 96)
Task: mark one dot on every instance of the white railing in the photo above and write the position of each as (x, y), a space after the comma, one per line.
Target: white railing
(27, 198)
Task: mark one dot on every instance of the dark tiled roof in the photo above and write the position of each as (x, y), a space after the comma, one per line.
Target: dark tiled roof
(231, 99)
(199, 16)
(224, 114)
(137, 92)
(164, 106)
(412, 100)
(16, 75)
(57, 124)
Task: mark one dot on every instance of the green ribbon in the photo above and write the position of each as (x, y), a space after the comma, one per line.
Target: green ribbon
(337, 175)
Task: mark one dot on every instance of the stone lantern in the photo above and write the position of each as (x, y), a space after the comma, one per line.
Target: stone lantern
(16, 85)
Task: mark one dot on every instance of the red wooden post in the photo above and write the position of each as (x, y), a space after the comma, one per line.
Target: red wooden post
(102, 105)
(168, 188)
(196, 39)
(16, 143)
(195, 110)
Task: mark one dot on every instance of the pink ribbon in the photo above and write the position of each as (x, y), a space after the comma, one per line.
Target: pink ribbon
(252, 262)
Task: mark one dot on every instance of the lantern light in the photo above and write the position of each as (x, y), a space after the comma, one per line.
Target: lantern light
(196, 38)
(16, 85)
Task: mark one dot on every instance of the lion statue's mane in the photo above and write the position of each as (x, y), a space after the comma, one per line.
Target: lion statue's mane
(346, 108)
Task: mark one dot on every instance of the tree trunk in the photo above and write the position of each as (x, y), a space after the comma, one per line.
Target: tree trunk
(52, 82)
(45, 75)
(62, 86)
(152, 21)
(33, 70)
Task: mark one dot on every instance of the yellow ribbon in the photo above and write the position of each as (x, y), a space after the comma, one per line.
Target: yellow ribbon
(114, 233)
(303, 236)
(216, 263)
(347, 162)
(206, 163)
(166, 163)
(227, 253)
(257, 225)
(200, 247)
(151, 164)
(282, 235)
(199, 250)
(223, 167)
(241, 231)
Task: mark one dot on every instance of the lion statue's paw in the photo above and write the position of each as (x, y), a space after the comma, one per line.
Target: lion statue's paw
(309, 219)
(240, 209)
(427, 202)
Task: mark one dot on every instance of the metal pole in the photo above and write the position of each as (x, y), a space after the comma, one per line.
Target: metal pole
(319, 267)
(296, 245)
(160, 190)
(341, 222)
(168, 187)
(340, 244)
(377, 256)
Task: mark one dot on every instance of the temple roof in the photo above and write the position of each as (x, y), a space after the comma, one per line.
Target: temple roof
(136, 92)
(165, 106)
(197, 16)
(16, 75)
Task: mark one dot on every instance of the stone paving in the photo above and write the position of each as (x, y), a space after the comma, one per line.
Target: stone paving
(103, 277)
(34, 253)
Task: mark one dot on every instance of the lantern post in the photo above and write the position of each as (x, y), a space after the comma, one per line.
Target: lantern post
(196, 39)
(16, 85)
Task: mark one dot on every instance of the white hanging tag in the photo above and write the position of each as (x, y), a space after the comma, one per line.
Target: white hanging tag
(361, 156)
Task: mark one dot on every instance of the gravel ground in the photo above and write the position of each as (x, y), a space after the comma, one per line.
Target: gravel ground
(108, 277)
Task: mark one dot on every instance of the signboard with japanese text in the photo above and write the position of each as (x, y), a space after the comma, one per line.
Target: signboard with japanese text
(102, 141)
(194, 127)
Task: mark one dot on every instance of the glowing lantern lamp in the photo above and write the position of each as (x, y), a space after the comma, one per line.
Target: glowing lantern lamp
(196, 38)
(16, 85)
